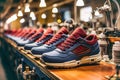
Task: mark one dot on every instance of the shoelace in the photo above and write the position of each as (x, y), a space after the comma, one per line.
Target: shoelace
(33, 36)
(68, 43)
(54, 39)
(30, 34)
(43, 37)
(40, 31)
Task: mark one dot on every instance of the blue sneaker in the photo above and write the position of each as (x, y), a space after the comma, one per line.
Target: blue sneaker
(44, 38)
(20, 35)
(25, 33)
(34, 37)
(57, 39)
(31, 37)
(74, 51)
(26, 40)
(37, 35)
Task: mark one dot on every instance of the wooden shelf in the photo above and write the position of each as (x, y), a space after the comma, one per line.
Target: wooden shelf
(83, 72)
(113, 39)
(86, 72)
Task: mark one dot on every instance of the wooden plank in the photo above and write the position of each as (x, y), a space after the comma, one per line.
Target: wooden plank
(86, 72)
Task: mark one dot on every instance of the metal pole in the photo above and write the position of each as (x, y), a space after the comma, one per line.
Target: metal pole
(75, 12)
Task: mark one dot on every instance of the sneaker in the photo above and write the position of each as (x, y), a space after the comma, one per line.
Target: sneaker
(25, 32)
(74, 51)
(31, 38)
(57, 39)
(10, 33)
(18, 35)
(25, 39)
(37, 35)
(32, 32)
(14, 33)
(44, 38)
(34, 37)
(21, 35)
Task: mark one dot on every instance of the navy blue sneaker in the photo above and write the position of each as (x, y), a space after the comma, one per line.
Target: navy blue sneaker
(44, 38)
(31, 37)
(19, 36)
(25, 33)
(34, 37)
(74, 51)
(57, 39)
(37, 35)
(26, 39)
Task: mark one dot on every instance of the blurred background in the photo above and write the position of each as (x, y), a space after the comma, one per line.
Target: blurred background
(15, 14)
(20, 13)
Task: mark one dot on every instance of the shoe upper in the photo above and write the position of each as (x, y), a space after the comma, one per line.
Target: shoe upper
(17, 32)
(37, 35)
(49, 32)
(34, 37)
(75, 47)
(25, 32)
(31, 45)
(19, 35)
(57, 39)
(25, 39)
(32, 32)
(44, 38)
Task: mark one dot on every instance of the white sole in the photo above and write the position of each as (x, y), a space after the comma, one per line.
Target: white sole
(37, 56)
(28, 51)
(74, 63)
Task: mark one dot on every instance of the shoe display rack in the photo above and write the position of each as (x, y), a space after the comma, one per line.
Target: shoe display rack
(83, 72)
(76, 42)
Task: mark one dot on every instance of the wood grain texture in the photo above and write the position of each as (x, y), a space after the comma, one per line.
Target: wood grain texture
(85, 72)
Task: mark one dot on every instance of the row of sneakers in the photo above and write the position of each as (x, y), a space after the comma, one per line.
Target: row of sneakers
(59, 50)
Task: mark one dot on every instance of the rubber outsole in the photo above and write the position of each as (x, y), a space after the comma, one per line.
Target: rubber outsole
(85, 60)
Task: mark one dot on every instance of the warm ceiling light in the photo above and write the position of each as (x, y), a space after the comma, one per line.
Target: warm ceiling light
(80, 3)
(43, 16)
(32, 15)
(22, 20)
(20, 14)
(34, 18)
(27, 7)
(55, 10)
(42, 3)
(12, 18)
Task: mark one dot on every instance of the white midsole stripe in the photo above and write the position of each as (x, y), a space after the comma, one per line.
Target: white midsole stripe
(73, 63)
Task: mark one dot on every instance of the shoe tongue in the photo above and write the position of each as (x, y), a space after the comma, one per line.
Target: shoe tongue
(62, 30)
(49, 30)
(40, 30)
(33, 30)
(78, 32)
